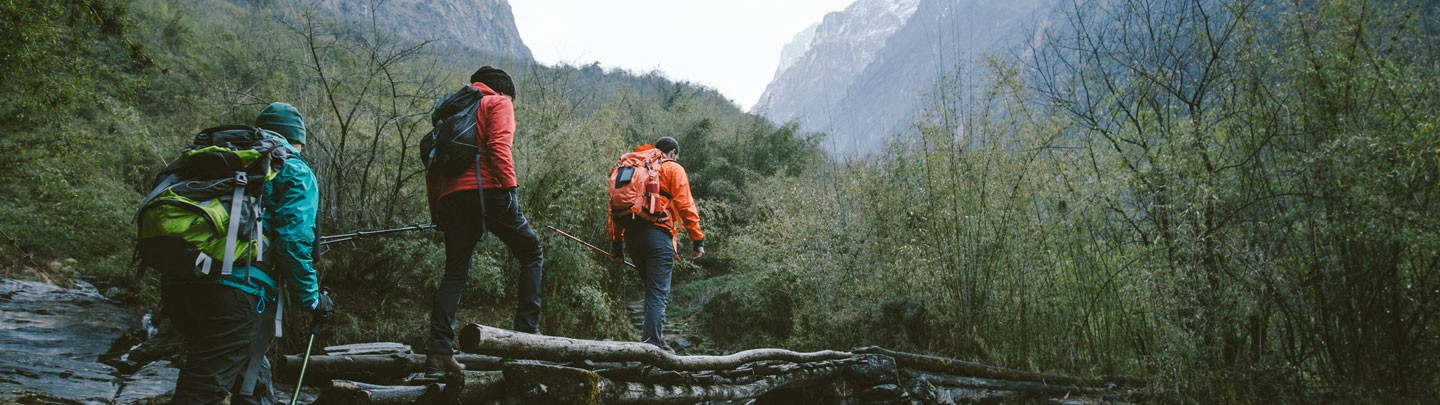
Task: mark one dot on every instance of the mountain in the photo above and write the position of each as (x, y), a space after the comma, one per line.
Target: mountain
(833, 56)
(797, 48)
(486, 26)
(870, 68)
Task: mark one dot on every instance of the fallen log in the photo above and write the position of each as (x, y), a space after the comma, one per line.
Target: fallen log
(366, 348)
(974, 396)
(528, 382)
(481, 386)
(745, 374)
(477, 387)
(473, 387)
(476, 338)
(971, 369)
(533, 382)
(355, 367)
(352, 392)
(640, 393)
(1029, 387)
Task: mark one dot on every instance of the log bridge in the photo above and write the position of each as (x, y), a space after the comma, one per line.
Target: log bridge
(505, 367)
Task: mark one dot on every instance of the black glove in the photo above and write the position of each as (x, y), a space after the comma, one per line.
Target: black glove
(324, 307)
(617, 250)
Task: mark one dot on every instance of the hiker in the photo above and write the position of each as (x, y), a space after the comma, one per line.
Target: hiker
(651, 237)
(228, 320)
(460, 213)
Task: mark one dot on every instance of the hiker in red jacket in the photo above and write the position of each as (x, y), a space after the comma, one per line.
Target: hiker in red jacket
(455, 203)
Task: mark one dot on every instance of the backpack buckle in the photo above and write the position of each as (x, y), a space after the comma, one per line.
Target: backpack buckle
(242, 179)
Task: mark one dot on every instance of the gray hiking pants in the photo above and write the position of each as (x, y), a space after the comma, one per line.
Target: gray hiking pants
(653, 251)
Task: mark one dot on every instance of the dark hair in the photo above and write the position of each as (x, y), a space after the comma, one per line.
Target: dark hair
(667, 144)
(495, 79)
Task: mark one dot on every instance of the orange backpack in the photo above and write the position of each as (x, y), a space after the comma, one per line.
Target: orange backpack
(635, 187)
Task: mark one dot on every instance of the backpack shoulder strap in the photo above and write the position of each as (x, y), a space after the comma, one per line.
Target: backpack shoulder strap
(233, 231)
(160, 187)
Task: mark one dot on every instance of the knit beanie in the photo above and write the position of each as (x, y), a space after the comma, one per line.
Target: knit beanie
(496, 79)
(667, 144)
(283, 119)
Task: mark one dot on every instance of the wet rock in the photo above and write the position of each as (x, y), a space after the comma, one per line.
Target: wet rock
(164, 345)
(38, 378)
(51, 341)
(152, 383)
(76, 323)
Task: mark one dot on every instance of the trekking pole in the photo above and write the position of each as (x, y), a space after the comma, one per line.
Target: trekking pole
(314, 326)
(326, 240)
(587, 244)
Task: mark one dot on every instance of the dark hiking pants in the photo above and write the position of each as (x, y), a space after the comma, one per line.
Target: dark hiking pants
(653, 251)
(460, 220)
(221, 326)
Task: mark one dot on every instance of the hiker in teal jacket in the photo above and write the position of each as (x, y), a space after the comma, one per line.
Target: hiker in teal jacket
(228, 321)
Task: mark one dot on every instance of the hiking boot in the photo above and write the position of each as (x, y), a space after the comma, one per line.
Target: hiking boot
(438, 365)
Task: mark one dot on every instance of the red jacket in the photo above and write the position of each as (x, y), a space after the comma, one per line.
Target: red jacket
(494, 134)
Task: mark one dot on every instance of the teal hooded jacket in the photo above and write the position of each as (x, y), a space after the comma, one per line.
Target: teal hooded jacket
(294, 198)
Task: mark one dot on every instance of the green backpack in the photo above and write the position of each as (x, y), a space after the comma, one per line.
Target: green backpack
(206, 206)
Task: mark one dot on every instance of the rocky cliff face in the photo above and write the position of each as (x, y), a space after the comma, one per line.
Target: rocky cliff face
(797, 48)
(861, 96)
(840, 48)
(486, 26)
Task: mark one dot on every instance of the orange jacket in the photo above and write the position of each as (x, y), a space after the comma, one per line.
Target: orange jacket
(495, 132)
(673, 182)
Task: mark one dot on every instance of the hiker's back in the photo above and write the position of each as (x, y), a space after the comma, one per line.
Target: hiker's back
(202, 217)
(474, 127)
(635, 187)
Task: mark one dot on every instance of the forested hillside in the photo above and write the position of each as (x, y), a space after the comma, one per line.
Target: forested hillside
(1236, 197)
(1235, 200)
(108, 92)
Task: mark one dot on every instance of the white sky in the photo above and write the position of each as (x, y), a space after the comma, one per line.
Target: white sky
(730, 45)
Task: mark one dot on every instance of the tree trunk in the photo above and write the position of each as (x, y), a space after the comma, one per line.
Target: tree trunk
(1030, 387)
(482, 386)
(322, 368)
(640, 393)
(743, 375)
(533, 382)
(972, 369)
(476, 338)
(350, 392)
(478, 387)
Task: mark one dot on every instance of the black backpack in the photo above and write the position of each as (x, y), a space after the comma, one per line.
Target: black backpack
(450, 147)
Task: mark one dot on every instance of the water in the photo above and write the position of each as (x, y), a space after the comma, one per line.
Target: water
(52, 340)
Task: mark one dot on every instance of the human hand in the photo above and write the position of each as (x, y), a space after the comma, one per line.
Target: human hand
(698, 247)
(617, 254)
(323, 306)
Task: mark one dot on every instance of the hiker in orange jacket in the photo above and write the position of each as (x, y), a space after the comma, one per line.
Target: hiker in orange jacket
(652, 244)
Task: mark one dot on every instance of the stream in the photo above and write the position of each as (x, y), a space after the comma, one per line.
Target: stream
(74, 346)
